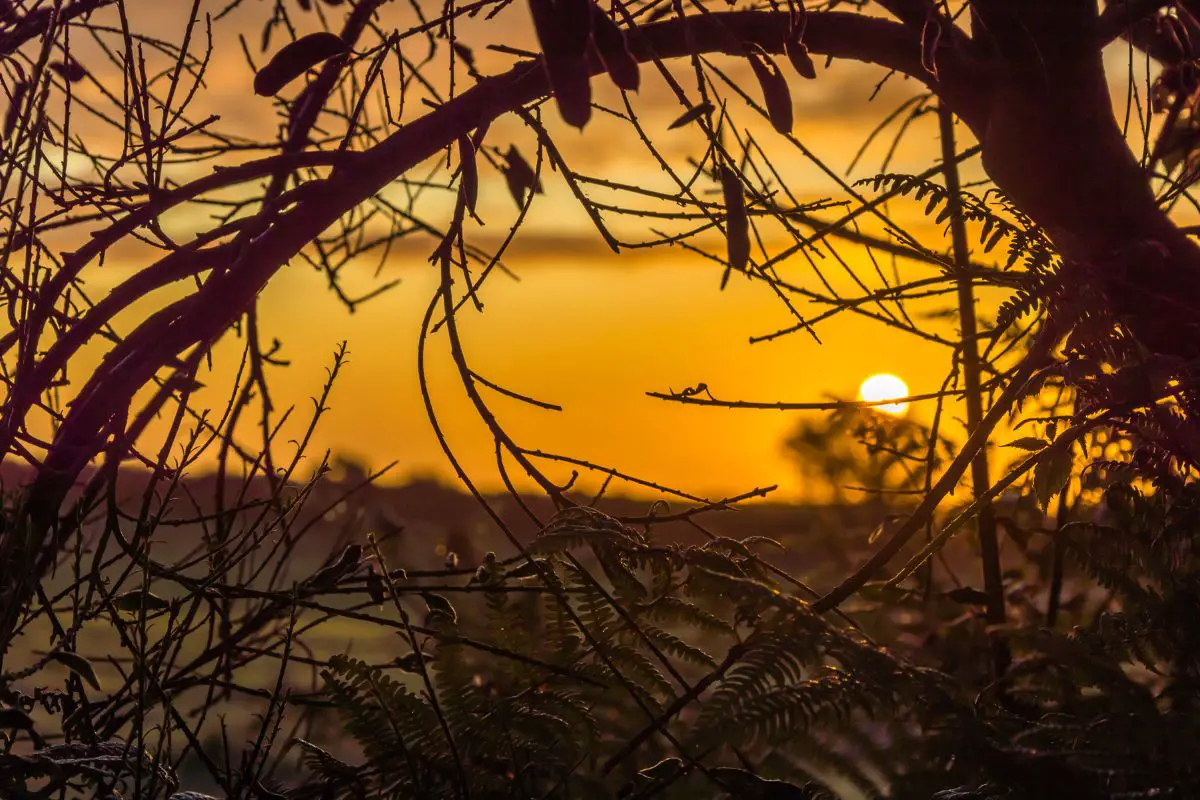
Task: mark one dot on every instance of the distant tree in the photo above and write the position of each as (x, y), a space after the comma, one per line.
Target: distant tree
(866, 455)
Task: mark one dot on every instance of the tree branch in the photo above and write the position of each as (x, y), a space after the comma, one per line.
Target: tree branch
(1122, 17)
(204, 316)
(34, 25)
(950, 478)
(913, 13)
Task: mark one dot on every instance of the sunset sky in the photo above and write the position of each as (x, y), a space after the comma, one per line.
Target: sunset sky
(585, 328)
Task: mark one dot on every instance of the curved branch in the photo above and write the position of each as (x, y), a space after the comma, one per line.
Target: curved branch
(33, 26)
(1122, 18)
(204, 316)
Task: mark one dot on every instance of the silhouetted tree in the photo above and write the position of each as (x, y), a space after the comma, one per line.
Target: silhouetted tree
(374, 95)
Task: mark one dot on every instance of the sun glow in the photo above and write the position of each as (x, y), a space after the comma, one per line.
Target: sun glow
(884, 387)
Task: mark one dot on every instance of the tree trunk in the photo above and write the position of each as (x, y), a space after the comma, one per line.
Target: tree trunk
(1052, 143)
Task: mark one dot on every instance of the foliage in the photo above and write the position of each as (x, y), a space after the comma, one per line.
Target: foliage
(598, 659)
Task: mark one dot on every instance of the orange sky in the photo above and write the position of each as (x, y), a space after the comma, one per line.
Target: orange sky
(584, 328)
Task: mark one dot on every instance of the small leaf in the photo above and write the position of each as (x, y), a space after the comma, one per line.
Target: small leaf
(737, 223)
(572, 88)
(613, 49)
(15, 719)
(691, 115)
(14, 109)
(439, 605)
(664, 770)
(134, 601)
(563, 30)
(489, 572)
(296, 58)
(931, 37)
(412, 662)
(69, 70)
(321, 760)
(968, 596)
(328, 577)
(797, 53)
(745, 784)
(519, 176)
(376, 589)
(889, 525)
(881, 592)
(79, 665)
(530, 569)
(470, 174)
(993, 240)
(1053, 473)
(933, 202)
(1031, 443)
(774, 88)
(464, 52)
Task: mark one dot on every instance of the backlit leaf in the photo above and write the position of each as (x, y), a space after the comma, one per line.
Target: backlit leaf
(774, 88)
(691, 115)
(79, 665)
(296, 58)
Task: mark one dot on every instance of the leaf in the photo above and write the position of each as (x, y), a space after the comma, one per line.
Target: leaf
(376, 589)
(14, 109)
(296, 58)
(968, 596)
(691, 115)
(470, 173)
(797, 53)
(464, 52)
(79, 665)
(748, 786)
(412, 662)
(774, 88)
(519, 176)
(613, 50)
(530, 569)
(15, 719)
(136, 600)
(439, 605)
(664, 770)
(993, 240)
(321, 761)
(1052, 474)
(1031, 443)
(563, 30)
(881, 592)
(888, 526)
(69, 70)
(328, 577)
(931, 37)
(737, 223)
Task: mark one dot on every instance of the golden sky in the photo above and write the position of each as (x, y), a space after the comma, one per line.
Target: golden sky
(585, 328)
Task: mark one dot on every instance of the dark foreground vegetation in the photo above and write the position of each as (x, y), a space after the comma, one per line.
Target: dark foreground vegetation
(1013, 611)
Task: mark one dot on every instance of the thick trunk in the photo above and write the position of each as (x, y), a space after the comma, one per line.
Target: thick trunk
(1052, 144)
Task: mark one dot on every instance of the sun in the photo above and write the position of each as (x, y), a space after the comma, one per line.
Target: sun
(885, 387)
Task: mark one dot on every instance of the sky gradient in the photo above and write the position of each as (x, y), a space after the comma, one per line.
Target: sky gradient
(583, 327)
